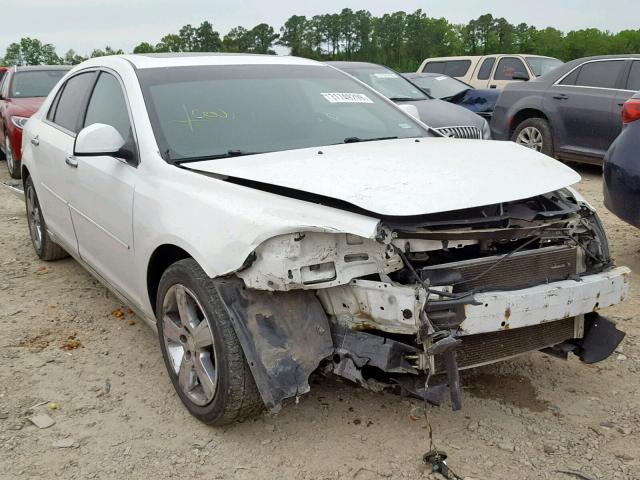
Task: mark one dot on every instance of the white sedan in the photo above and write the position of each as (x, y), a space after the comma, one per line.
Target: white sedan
(271, 216)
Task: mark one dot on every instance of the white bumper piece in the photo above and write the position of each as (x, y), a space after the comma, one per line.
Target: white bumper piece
(545, 303)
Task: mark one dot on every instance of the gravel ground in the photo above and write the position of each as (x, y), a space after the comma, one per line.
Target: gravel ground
(70, 350)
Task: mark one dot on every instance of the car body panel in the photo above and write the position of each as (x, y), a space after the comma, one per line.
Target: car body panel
(366, 181)
(584, 120)
(20, 107)
(479, 101)
(433, 112)
(471, 75)
(281, 221)
(621, 174)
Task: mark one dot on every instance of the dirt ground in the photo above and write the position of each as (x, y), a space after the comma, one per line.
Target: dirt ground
(70, 350)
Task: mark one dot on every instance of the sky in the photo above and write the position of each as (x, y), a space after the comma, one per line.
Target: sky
(88, 24)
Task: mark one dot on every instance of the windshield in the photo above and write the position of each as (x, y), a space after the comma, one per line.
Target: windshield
(35, 83)
(441, 86)
(230, 110)
(542, 65)
(388, 83)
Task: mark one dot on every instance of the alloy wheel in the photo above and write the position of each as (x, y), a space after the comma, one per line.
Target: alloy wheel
(34, 218)
(530, 137)
(189, 344)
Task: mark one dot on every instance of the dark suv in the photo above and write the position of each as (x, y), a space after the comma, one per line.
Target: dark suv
(572, 112)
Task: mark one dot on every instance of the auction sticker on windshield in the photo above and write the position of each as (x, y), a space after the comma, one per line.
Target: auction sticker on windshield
(346, 98)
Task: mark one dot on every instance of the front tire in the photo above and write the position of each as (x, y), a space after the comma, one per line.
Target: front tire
(202, 354)
(45, 248)
(13, 165)
(534, 133)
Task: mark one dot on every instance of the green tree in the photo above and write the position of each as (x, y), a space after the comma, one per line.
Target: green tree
(31, 51)
(292, 35)
(144, 47)
(72, 58)
(237, 40)
(207, 39)
(170, 43)
(107, 51)
(261, 39)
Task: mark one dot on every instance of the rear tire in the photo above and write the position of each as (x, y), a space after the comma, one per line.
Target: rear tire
(13, 165)
(45, 248)
(202, 354)
(534, 133)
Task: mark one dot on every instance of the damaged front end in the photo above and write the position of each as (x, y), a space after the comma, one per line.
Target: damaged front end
(429, 295)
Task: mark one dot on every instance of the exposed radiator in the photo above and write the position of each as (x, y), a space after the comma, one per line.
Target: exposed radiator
(521, 270)
(491, 347)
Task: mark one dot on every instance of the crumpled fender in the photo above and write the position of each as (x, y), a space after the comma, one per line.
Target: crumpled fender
(284, 336)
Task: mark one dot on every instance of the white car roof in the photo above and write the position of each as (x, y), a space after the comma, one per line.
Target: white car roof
(155, 60)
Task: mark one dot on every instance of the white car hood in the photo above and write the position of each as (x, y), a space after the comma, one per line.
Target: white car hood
(404, 177)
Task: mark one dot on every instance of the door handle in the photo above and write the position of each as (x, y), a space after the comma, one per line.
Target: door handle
(493, 86)
(561, 96)
(71, 161)
(34, 141)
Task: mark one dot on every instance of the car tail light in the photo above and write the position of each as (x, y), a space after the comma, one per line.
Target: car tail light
(631, 110)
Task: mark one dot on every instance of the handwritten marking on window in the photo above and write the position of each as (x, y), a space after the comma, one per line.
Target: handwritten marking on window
(195, 115)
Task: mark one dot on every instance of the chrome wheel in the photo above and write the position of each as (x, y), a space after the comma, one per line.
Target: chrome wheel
(34, 218)
(189, 344)
(530, 137)
(8, 153)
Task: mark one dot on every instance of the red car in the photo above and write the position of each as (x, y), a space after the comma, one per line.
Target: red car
(22, 91)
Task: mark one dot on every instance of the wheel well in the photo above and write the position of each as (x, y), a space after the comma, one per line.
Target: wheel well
(25, 175)
(523, 115)
(161, 259)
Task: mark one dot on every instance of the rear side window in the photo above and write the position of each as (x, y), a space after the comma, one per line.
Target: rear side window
(108, 105)
(485, 69)
(434, 67)
(634, 77)
(508, 67)
(571, 78)
(457, 68)
(600, 74)
(70, 102)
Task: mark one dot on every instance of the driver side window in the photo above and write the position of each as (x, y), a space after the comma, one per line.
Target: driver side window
(109, 106)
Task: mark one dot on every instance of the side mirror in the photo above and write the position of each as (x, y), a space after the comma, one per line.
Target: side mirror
(520, 76)
(411, 110)
(99, 139)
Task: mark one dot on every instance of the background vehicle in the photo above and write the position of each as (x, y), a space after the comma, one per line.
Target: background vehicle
(448, 119)
(491, 71)
(573, 112)
(455, 91)
(271, 214)
(3, 70)
(22, 91)
(622, 167)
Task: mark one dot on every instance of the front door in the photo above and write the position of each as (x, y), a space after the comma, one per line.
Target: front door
(508, 70)
(101, 193)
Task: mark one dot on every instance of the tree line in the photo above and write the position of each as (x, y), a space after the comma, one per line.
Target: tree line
(400, 40)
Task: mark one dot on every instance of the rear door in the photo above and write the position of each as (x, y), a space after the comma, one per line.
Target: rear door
(505, 71)
(101, 190)
(584, 108)
(482, 75)
(52, 144)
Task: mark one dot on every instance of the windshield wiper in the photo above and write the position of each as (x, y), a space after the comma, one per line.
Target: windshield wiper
(230, 153)
(358, 139)
(405, 99)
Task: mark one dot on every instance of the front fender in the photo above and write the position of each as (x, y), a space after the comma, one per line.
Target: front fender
(284, 337)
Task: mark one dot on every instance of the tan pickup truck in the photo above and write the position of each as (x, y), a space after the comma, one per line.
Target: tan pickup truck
(491, 71)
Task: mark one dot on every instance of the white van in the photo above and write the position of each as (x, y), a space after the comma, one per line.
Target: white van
(491, 71)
